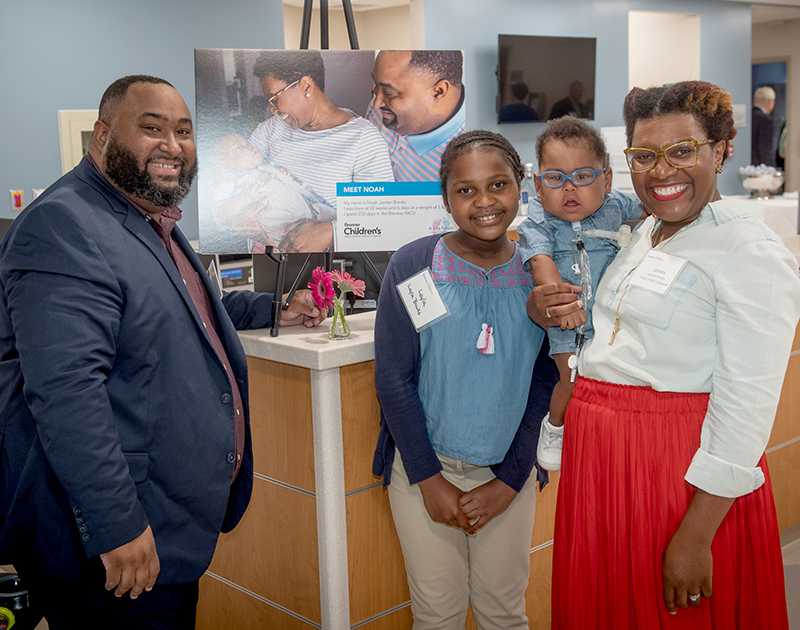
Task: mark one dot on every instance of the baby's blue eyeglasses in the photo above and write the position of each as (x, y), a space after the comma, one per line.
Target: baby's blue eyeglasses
(578, 177)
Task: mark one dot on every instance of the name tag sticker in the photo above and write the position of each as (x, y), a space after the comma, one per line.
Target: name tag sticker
(422, 300)
(657, 271)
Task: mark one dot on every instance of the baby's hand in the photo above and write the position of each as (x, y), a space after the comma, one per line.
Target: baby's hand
(573, 320)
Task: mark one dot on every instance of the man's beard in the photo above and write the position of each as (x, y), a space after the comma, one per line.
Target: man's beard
(122, 168)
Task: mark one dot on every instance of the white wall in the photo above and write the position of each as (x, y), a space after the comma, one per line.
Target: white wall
(781, 42)
(388, 29)
(662, 48)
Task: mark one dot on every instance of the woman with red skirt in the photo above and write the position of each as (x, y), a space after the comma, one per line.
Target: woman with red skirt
(665, 515)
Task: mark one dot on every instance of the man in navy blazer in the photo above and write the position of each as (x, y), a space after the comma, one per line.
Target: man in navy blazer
(124, 433)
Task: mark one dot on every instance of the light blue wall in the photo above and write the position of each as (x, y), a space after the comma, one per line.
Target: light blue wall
(62, 55)
(473, 25)
(57, 54)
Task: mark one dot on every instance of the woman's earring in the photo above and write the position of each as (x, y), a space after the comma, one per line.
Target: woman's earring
(719, 168)
(308, 94)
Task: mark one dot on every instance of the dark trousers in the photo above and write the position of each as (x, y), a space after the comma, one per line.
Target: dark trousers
(88, 605)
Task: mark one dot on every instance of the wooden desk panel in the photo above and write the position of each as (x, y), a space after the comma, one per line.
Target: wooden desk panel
(280, 422)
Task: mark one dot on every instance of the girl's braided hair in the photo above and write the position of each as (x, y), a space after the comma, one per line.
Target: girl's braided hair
(479, 140)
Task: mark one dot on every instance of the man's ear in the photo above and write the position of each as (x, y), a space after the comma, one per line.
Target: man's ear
(440, 89)
(100, 133)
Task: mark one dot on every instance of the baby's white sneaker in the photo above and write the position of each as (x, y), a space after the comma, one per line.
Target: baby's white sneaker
(548, 451)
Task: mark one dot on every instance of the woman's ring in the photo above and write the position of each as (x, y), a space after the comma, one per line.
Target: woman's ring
(547, 312)
(694, 598)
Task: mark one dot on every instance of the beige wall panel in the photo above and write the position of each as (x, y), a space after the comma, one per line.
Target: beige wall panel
(218, 602)
(784, 468)
(361, 420)
(375, 562)
(273, 551)
(280, 420)
(537, 597)
(787, 418)
(545, 512)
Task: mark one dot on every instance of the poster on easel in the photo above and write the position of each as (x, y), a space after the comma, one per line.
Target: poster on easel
(298, 147)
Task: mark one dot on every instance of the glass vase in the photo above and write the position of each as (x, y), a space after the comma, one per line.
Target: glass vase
(339, 327)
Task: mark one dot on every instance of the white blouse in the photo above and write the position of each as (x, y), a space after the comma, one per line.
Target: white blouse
(725, 326)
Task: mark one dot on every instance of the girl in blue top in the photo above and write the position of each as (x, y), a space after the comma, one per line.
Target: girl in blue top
(459, 417)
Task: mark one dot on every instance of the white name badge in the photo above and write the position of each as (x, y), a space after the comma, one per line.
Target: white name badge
(657, 271)
(422, 300)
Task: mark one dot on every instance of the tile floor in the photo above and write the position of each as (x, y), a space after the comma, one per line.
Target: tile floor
(790, 543)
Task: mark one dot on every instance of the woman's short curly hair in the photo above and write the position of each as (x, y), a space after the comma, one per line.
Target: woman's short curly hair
(479, 139)
(291, 66)
(709, 104)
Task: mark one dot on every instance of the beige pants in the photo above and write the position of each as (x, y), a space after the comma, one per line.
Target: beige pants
(447, 569)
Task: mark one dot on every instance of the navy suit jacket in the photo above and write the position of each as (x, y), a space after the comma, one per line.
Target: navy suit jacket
(116, 411)
(762, 149)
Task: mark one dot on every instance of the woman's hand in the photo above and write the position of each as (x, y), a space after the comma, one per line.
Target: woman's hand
(548, 303)
(486, 501)
(441, 500)
(687, 570)
(687, 566)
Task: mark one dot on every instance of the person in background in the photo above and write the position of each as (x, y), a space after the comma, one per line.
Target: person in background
(418, 107)
(570, 105)
(574, 195)
(517, 110)
(665, 515)
(762, 146)
(126, 442)
(318, 143)
(460, 419)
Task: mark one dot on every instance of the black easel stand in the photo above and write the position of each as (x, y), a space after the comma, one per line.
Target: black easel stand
(279, 303)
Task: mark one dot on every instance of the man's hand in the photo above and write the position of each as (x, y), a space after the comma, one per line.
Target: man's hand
(133, 566)
(302, 310)
(441, 500)
(308, 236)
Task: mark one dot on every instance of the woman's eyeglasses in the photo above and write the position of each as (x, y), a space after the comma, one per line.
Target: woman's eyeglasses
(680, 155)
(273, 100)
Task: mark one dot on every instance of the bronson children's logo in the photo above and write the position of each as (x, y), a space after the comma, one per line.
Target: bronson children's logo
(354, 229)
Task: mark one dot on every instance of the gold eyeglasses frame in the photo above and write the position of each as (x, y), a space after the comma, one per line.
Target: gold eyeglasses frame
(663, 153)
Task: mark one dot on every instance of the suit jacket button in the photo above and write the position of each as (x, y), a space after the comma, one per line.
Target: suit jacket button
(83, 529)
(225, 398)
(231, 458)
(86, 537)
(79, 519)
(76, 510)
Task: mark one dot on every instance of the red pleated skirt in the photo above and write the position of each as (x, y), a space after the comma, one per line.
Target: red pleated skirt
(620, 500)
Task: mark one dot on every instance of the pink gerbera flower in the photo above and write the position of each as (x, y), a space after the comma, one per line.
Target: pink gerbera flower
(347, 283)
(322, 288)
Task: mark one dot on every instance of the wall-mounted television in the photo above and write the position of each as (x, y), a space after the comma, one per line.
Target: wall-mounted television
(540, 78)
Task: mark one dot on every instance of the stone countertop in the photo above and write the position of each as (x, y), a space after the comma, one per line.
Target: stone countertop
(311, 347)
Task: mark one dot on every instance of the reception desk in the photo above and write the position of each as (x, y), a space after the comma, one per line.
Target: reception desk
(317, 546)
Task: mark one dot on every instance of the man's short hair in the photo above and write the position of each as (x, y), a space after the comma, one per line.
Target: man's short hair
(117, 90)
(441, 64)
(764, 94)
